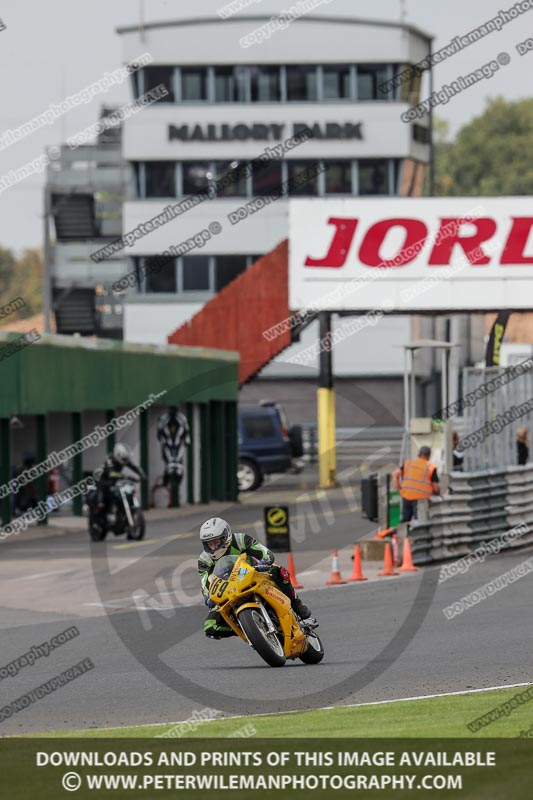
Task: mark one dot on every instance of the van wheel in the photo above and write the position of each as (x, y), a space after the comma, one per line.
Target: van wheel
(249, 476)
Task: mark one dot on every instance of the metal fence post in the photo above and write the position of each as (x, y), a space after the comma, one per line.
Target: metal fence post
(143, 447)
(77, 471)
(41, 451)
(190, 453)
(5, 467)
(205, 457)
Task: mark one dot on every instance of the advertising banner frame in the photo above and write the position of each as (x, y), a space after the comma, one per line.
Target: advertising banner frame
(411, 255)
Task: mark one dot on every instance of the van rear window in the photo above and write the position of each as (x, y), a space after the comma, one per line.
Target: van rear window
(258, 427)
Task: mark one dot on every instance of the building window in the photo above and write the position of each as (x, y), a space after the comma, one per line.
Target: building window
(398, 162)
(154, 76)
(338, 177)
(196, 176)
(231, 179)
(160, 274)
(297, 184)
(194, 83)
(266, 177)
(421, 134)
(266, 84)
(408, 90)
(195, 273)
(228, 267)
(302, 83)
(373, 176)
(160, 179)
(369, 77)
(336, 83)
(230, 84)
(137, 166)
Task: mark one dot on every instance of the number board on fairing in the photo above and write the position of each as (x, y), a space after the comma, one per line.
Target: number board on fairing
(218, 587)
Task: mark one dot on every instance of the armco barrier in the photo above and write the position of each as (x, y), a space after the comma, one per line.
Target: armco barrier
(481, 507)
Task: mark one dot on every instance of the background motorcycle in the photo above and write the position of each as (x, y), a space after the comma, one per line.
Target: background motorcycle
(123, 514)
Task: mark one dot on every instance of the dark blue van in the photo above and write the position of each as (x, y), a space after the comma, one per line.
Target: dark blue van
(264, 444)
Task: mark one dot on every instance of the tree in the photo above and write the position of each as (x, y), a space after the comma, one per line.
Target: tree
(22, 277)
(490, 156)
(443, 158)
(7, 265)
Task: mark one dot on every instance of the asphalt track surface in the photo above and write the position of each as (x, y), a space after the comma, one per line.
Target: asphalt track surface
(384, 639)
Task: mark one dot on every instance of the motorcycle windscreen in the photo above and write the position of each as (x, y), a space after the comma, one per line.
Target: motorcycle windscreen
(224, 566)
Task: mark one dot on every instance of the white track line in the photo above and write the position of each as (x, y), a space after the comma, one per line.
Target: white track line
(327, 708)
(38, 575)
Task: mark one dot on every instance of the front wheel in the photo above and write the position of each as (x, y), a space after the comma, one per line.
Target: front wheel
(136, 531)
(96, 531)
(265, 643)
(315, 649)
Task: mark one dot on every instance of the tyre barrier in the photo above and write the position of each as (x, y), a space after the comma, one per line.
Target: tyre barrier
(482, 506)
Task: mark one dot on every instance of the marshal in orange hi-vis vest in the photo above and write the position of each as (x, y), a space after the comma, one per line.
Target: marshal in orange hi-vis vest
(416, 481)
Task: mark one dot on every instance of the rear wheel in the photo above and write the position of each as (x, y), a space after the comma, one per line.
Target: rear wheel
(249, 476)
(136, 532)
(315, 649)
(265, 643)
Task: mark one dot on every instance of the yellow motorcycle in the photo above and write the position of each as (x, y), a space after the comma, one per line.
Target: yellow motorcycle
(258, 612)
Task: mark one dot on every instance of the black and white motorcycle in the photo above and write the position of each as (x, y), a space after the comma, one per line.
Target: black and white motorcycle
(123, 515)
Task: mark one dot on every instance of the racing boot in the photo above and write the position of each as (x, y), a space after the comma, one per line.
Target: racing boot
(299, 608)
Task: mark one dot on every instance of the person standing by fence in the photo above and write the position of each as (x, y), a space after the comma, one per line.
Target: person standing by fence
(522, 446)
(416, 480)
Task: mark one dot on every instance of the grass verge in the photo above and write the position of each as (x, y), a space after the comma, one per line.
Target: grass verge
(430, 718)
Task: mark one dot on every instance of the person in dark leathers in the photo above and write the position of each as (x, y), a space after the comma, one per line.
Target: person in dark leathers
(217, 541)
(112, 470)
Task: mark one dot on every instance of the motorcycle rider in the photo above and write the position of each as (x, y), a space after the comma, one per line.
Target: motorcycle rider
(217, 541)
(113, 467)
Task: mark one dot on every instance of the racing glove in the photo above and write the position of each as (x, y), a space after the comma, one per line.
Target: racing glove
(209, 603)
(263, 565)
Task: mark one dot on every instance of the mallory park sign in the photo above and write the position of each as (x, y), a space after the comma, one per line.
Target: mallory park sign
(222, 132)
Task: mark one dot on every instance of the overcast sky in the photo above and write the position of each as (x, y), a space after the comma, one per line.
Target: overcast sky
(52, 49)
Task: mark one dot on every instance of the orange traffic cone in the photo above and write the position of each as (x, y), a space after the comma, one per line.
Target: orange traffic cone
(336, 577)
(292, 572)
(407, 559)
(384, 532)
(357, 574)
(388, 569)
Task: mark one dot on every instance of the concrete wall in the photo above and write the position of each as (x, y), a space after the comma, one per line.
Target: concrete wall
(154, 320)
(360, 402)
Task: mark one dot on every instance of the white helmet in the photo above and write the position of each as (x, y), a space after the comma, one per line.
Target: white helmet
(121, 453)
(215, 535)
